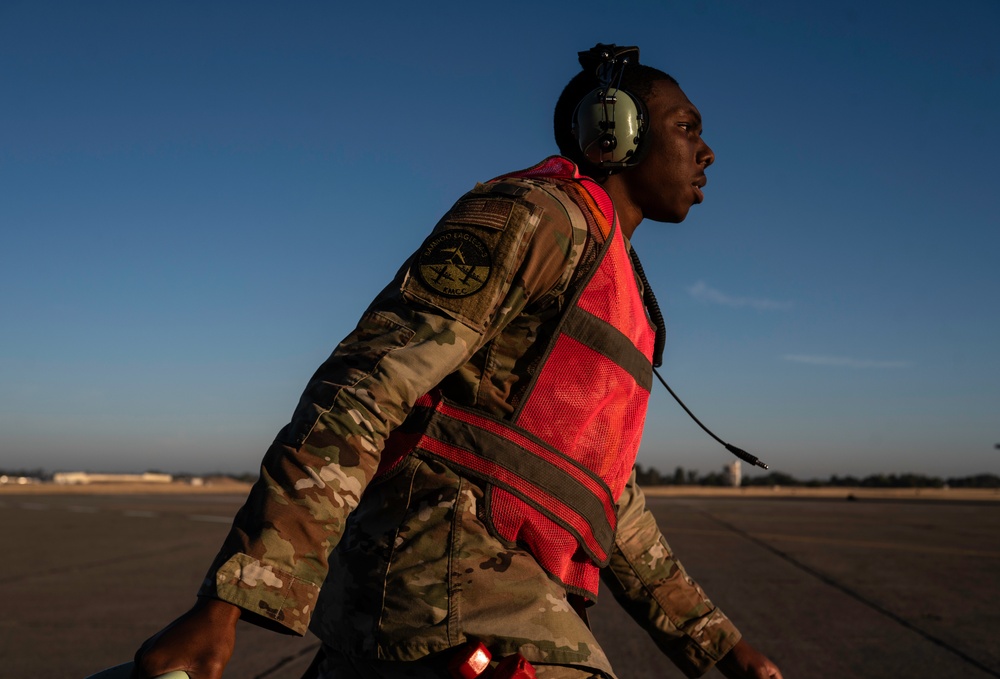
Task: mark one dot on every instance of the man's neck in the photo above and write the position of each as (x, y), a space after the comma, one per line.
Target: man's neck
(629, 214)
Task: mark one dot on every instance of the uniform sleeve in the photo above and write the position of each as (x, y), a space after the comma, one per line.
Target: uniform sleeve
(494, 253)
(651, 584)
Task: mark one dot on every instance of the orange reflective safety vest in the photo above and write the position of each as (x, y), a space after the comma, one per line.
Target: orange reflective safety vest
(554, 471)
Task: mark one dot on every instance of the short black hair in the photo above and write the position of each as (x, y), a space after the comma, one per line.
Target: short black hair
(637, 79)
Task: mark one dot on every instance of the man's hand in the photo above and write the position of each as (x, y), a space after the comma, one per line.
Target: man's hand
(745, 662)
(200, 642)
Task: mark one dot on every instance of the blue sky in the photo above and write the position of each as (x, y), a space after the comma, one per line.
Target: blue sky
(198, 199)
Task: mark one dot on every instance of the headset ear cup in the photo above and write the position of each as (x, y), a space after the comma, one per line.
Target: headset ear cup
(608, 126)
(640, 147)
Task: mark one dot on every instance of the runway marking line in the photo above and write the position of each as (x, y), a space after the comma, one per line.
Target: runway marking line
(878, 544)
(210, 518)
(140, 513)
(134, 513)
(843, 542)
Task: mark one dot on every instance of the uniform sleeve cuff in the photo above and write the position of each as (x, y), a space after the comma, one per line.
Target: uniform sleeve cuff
(263, 590)
(708, 643)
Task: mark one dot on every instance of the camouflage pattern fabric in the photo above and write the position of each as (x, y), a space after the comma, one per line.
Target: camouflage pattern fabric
(403, 567)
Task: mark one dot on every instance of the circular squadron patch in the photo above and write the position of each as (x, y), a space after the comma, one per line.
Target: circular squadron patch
(455, 263)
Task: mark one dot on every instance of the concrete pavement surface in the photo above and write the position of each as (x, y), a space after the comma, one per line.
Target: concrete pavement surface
(837, 589)
(827, 587)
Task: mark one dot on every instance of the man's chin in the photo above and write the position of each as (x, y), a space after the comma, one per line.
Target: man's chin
(669, 217)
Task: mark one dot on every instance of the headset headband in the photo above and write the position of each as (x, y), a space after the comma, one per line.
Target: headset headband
(608, 60)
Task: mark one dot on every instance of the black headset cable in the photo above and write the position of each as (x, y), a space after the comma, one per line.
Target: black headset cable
(656, 316)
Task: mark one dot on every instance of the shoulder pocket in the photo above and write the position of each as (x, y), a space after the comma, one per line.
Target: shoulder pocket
(466, 265)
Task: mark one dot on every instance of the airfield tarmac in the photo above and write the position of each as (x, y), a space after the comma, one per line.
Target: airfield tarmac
(829, 588)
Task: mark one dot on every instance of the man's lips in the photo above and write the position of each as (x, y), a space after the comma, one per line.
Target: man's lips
(698, 185)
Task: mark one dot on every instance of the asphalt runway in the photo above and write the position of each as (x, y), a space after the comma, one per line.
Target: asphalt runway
(828, 588)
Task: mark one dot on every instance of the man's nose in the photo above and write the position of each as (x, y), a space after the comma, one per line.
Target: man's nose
(705, 155)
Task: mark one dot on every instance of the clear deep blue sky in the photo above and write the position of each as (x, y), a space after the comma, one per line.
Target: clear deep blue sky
(197, 200)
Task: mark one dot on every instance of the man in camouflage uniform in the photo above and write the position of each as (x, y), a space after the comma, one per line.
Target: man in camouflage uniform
(394, 569)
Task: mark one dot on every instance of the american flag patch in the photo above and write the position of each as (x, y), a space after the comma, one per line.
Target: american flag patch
(493, 214)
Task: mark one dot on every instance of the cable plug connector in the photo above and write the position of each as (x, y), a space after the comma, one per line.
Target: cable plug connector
(745, 456)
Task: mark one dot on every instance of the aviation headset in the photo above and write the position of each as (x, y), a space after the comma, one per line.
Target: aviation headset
(610, 123)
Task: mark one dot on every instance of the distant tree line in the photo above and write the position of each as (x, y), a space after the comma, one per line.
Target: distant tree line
(650, 476)
(39, 474)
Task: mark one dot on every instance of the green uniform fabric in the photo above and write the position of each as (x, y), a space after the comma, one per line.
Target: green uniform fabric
(404, 567)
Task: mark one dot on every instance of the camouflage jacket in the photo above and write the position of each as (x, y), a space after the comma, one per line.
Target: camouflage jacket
(402, 566)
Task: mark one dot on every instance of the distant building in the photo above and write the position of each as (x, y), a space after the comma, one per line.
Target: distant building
(734, 474)
(81, 478)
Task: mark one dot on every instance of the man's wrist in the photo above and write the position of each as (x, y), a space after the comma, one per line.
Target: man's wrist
(221, 611)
